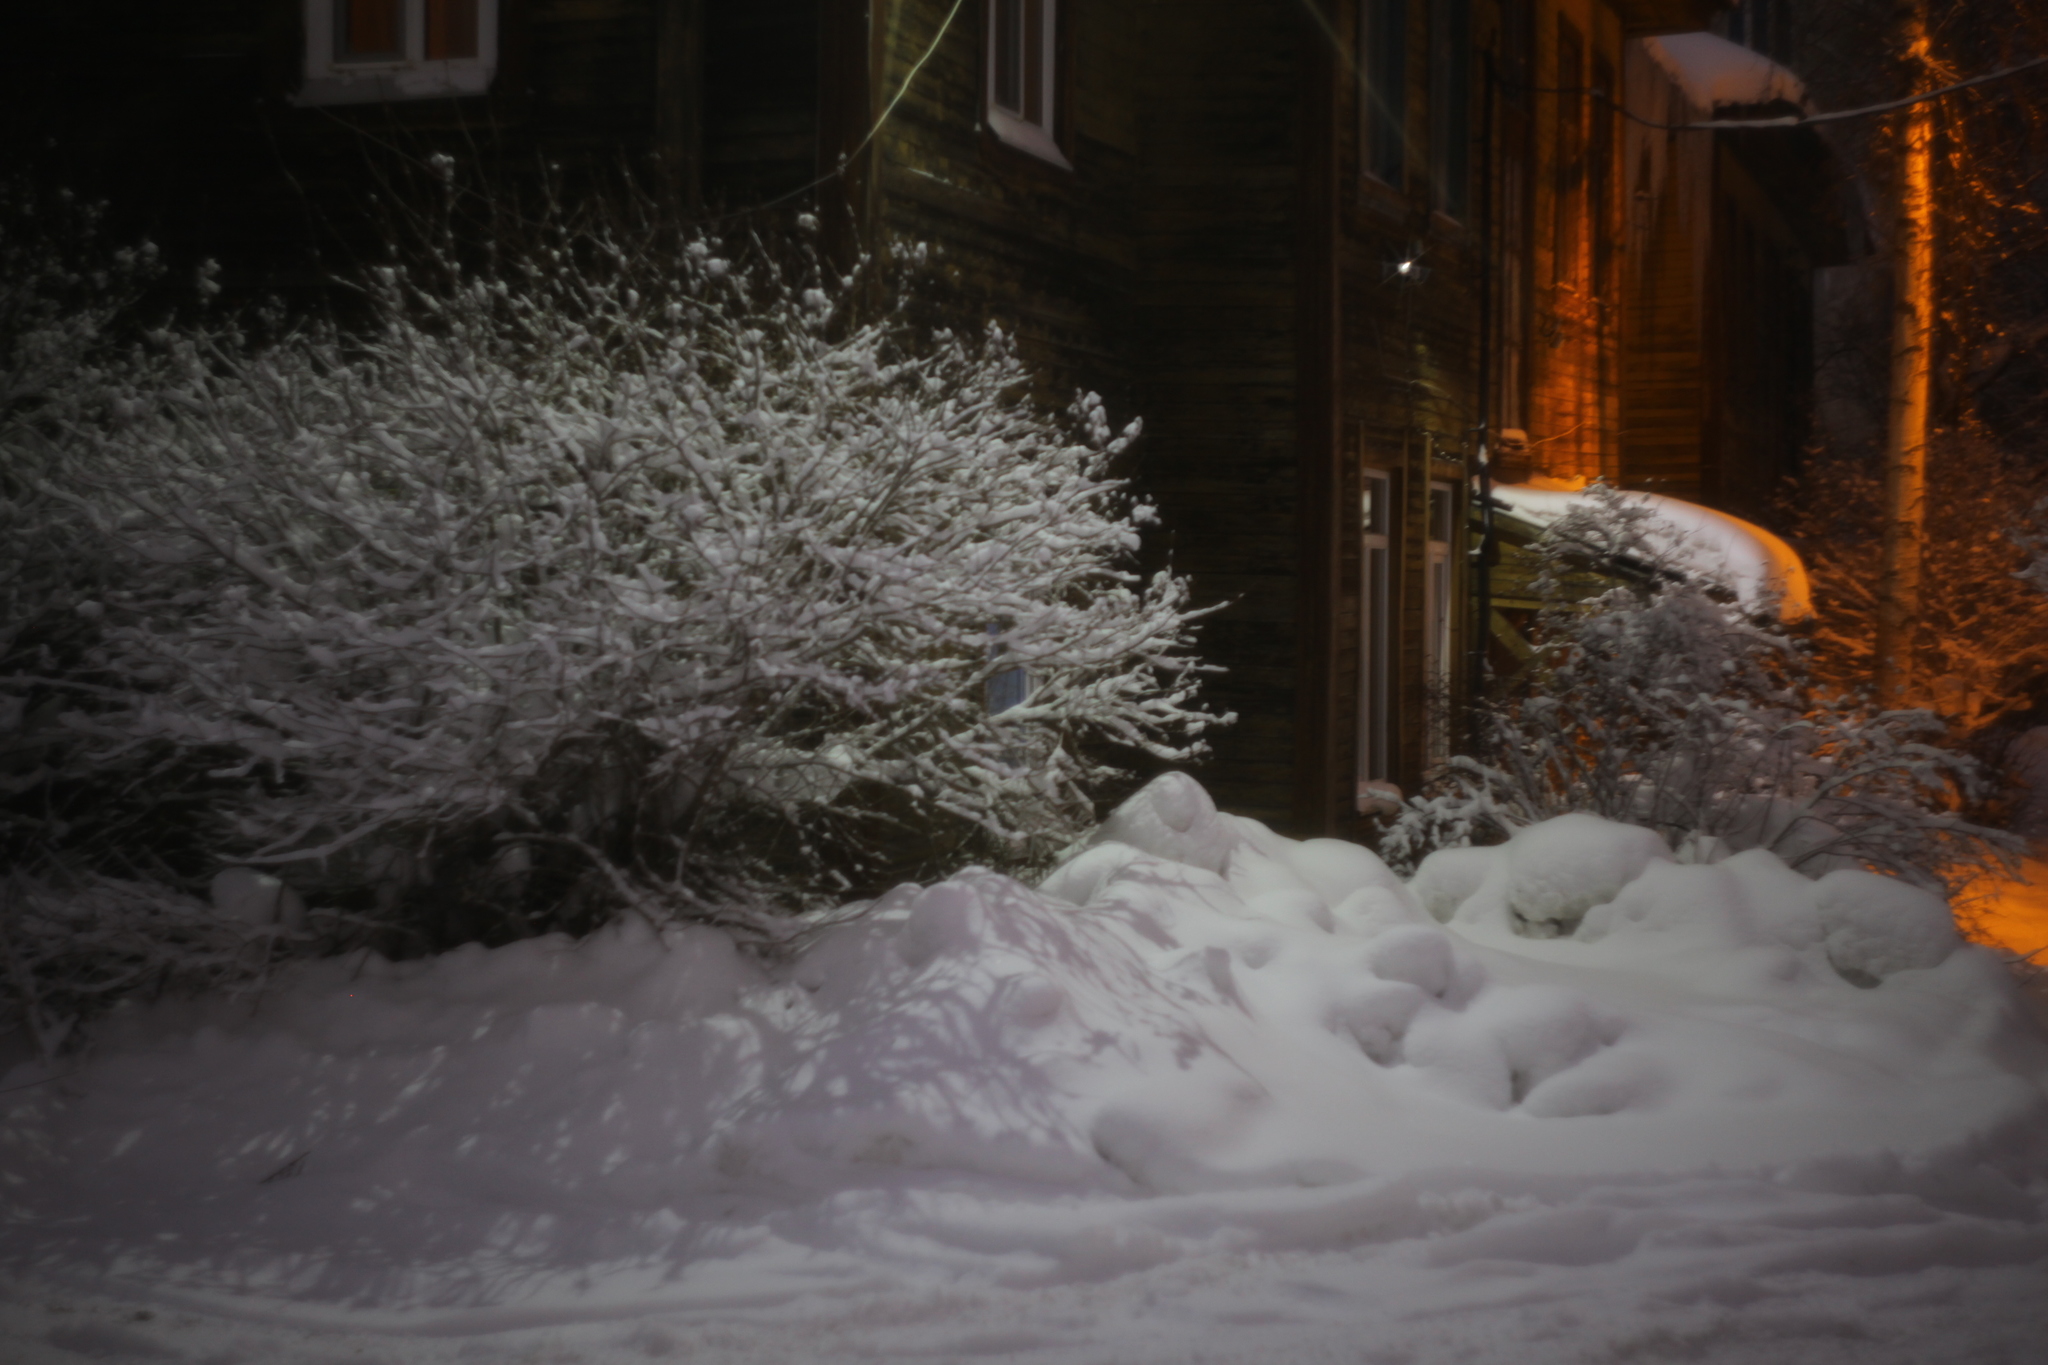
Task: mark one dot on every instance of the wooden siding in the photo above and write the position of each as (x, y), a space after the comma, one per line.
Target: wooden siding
(1409, 402)
(1220, 330)
(1161, 271)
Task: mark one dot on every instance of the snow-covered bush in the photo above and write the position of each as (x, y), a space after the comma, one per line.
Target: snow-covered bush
(61, 291)
(1660, 701)
(620, 573)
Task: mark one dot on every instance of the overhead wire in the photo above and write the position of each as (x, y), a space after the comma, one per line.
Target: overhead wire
(1788, 120)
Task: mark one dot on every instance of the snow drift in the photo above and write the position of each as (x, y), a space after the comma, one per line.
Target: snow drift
(1194, 1030)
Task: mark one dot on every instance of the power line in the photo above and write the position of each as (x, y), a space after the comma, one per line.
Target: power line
(1802, 120)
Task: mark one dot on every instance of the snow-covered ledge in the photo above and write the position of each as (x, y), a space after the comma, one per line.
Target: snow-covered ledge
(1714, 72)
(1758, 567)
(1027, 137)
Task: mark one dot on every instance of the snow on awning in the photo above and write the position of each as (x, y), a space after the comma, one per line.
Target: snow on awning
(1714, 72)
(1757, 566)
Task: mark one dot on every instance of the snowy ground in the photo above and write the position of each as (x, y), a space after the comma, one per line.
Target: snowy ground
(1208, 1094)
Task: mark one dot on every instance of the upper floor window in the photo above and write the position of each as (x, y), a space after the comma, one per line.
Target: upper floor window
(367, 51)
(1757, 24)
(1450, 106)
(1383, 89)
(1023, 76)
(1568, 164)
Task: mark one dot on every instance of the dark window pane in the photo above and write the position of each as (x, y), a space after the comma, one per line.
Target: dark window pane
(1035, 57)
(1450, 104)
(1601, 174)
(1008, 54)
(1440, 514)
(1570, 168)
(1383, 92)
(369, 29)
(451, 29)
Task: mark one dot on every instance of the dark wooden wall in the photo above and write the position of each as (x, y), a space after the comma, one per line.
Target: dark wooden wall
(1221, 240)
(760, 98)
(179, 115)
(1164, 271)
(1045, 253)
(1410, 398)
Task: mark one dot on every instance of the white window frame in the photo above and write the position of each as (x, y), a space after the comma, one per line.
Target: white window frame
(407, 77)
(1014, 126)
(1377, 606)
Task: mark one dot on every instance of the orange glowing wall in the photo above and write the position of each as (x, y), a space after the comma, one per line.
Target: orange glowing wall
(1575, 246)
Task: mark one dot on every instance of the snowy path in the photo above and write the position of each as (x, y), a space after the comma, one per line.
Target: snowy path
(1209, 1095)
(1714, 1269)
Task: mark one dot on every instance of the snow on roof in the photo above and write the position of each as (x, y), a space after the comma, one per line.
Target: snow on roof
(1757, 566)
(1713, 71)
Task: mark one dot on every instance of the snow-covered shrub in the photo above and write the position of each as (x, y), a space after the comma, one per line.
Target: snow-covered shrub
(1660, 701)
(620, 573)
(61, 291)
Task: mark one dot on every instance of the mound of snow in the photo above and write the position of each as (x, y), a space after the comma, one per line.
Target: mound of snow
(1194, 1015)
(1560, 869)
(1874, 927)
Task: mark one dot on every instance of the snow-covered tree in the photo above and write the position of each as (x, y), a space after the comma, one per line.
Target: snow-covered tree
(1979, 646)
(1662, 700)
(623, 573)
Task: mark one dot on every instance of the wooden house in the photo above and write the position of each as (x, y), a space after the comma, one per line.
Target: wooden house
(1322, 247)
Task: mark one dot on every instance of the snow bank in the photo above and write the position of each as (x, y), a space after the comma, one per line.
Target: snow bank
(1714, 72)
(1759, 567)
(1196, 1034)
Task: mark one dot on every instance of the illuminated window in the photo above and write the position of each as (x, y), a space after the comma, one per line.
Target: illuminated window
(369, 51)
(1023, 76)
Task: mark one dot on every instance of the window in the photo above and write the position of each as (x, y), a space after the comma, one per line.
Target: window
(1437, 610)
(368, 51)
(1383, 89)
(1375, 635)
(1750, 23)
(1568, 167)
(1600, 175)
(1023, 77)
(1450, 106)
